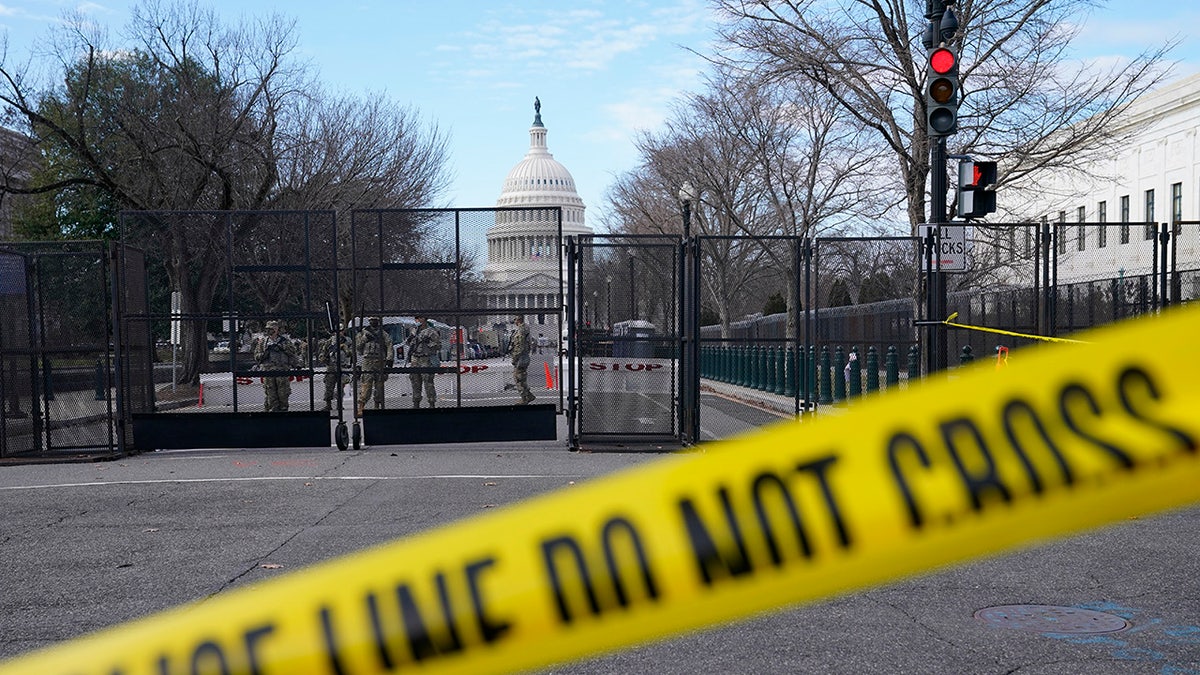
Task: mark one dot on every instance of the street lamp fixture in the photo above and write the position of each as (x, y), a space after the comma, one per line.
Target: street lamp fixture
(608, 301)
(687, 195)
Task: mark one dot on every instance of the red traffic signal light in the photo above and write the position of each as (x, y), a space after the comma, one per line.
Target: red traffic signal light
(942, 60)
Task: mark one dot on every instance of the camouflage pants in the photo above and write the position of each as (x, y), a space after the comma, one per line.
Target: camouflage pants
(520, 378)
(277, 391)
(333, 386)
(373, 378)
(422, 379)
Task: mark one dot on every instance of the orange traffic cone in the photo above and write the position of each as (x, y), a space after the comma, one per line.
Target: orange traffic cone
(549, 377)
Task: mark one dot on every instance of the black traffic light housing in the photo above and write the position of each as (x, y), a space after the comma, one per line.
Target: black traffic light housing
(941, 91)
(976, 188)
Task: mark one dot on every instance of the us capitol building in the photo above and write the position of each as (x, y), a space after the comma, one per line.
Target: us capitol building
(524, 262)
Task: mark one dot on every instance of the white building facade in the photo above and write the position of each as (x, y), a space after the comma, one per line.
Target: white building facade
(1153, 180)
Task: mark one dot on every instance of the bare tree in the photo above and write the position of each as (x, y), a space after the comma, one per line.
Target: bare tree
(1021, 101)
(693, 150)
(190, 114)
(771, 160)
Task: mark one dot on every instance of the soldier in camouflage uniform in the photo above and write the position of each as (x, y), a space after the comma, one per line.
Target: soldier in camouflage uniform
(335, 352)
(519, 349)
(375, 349)
(276, 352)
(424, 345)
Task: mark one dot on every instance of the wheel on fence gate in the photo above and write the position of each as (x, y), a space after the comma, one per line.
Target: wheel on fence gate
(356, 434)
(342, 436)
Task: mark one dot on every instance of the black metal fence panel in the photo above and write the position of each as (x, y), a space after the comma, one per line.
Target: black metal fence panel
(56, 349)
(471, 273)
(215, 280)
(625, 351)
(786, 324)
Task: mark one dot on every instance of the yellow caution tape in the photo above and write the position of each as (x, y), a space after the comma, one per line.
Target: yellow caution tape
(1044, 338)
(967, 464)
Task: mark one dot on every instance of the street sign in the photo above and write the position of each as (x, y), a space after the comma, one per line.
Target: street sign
(953, 248)
(176, 304)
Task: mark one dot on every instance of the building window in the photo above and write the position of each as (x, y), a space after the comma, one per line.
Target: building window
(1102, 217)
(1150, 214)
(1125, 219)
(1081, 217)
(1176, 204)
(1060, 232)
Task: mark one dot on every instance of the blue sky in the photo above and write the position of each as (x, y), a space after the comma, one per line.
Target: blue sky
(604, 69)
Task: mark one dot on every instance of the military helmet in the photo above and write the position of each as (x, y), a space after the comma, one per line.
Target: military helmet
(374, 321)
(272, 325)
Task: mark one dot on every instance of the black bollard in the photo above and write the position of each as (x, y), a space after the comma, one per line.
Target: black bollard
(100, 388)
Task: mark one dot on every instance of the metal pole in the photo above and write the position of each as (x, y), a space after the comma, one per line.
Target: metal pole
(608, 303)
(938, 191)
(632, 307)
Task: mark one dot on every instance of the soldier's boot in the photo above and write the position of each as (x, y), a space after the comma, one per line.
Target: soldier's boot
(416, 403)
(328, 405)
(432, 403)
(379, 405)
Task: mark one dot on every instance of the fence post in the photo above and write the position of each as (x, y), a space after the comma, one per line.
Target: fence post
(752, 366)
(872, 369)
(764, 368)
(789, 376)
(892, 363)
(855, 372)
(99, 383)
(47, 379)
(780, 370)
(914, 364)
(810, 373)
(769, 367)
(754, 381)
(739, 370)
(826, 384)
(839, 377)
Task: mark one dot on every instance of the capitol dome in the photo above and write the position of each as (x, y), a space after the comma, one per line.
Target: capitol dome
(540, 181)
(524, 263)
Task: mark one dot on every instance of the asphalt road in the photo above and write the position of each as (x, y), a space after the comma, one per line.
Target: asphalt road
(86, 546)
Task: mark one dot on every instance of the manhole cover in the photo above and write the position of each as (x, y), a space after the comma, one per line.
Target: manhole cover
(1051, 619)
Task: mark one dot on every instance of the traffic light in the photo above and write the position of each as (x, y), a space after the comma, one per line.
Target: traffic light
(941, 92)
(976, 188)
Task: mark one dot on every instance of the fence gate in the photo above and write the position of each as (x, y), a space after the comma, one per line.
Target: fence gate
(60, 347)
(625, 340)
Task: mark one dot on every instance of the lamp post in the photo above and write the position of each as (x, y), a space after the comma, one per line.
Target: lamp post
(689, 323)
(596, 306)
(632, 306)
(608, 302)
(687, 194)
(586, 320)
